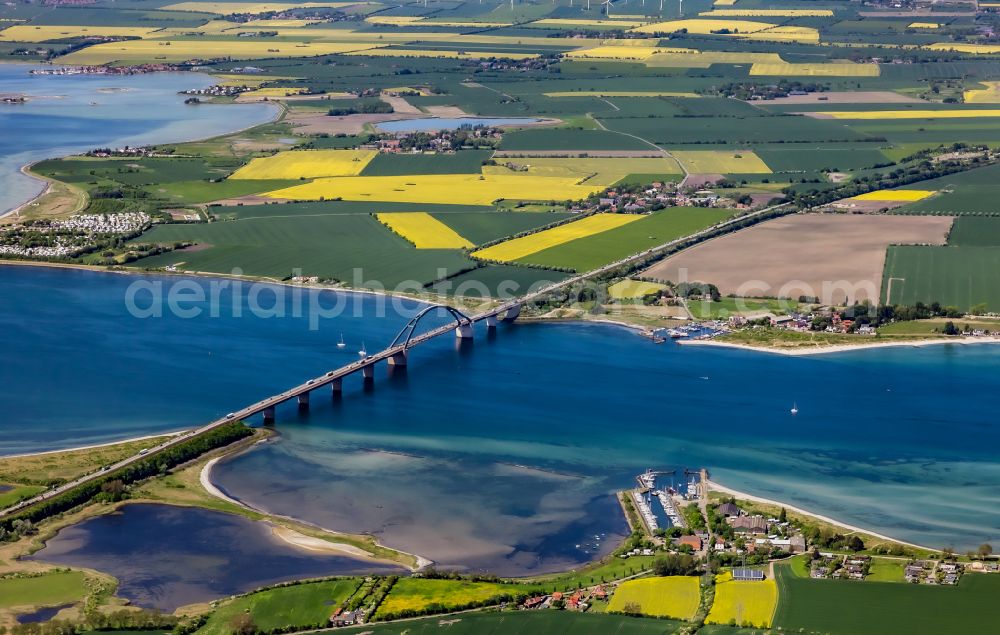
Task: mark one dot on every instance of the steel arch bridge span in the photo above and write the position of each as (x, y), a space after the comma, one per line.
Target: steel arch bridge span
(407, 333)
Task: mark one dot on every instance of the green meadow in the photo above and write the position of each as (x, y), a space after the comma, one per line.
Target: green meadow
(844, 607)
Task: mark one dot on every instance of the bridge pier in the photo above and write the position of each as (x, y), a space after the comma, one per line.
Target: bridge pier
(399, 359)
(463, 331)
(512, 313)
(491, 321)
(337, 387)
(304, 401)
(269, 415)
(368, 372)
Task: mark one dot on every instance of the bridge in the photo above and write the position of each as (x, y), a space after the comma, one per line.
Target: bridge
(394, 355)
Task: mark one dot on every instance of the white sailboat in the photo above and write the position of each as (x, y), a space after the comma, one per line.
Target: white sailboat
(795, 409)
(341, 343)
(363, 353)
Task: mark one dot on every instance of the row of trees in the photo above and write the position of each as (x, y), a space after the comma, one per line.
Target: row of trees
(158, 463)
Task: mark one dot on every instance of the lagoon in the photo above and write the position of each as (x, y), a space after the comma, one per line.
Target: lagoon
(504, 455)
(68, 114)
(166, 557)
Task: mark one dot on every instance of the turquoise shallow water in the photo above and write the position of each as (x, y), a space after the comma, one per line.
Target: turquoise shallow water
(68, 114)
(502, 456)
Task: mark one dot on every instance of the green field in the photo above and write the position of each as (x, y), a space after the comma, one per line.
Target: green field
(975, 231)
(524, 623)
(330, 247)
(569, 139)
(843, 607)
(462, 162)
(676, 597)
(16, 492)
(49, 589)
(655, 229)
(486, 227)
(301, 606)
(886, 570)
(727, 306)
(953, 276)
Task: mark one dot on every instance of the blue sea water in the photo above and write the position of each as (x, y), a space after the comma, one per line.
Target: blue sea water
(504, 455)
(68, 114)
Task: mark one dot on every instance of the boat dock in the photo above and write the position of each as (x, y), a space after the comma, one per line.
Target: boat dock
(670, 509)
(645, 512)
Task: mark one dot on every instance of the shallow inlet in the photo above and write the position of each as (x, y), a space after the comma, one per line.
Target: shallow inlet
(166, 557)
(69, 114)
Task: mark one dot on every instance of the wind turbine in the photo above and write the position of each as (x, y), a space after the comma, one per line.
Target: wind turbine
(607, 7)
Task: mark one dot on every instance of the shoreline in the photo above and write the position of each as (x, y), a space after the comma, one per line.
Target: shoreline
(93, 446)
(292, 537)
(844, 348)
(279, 113)
(718, 487)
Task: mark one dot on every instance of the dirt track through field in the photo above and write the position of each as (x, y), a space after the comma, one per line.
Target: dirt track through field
(831, 256)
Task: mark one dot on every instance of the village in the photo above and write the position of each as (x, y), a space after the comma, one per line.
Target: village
(64, 238)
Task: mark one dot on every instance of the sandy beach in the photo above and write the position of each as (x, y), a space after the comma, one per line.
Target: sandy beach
(292, 537)
(844, 348)
(713, 486)
(94, 446)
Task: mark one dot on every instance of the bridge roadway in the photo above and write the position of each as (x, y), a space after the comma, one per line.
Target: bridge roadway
(367, 364)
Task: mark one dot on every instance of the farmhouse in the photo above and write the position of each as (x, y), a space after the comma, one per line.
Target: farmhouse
(729, 509)
(749, 524)
(693, 541)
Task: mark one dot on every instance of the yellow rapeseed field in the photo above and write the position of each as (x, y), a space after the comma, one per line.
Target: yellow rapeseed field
(458, 189)
(976, 49)
(924, 25)
(748, 29)
(228, 8)
(745, 602)
(619, 52)
(675, 596)
(705, 27)
(309, 164)
(31, 33)
(633, 289)
(895, 195)
(516, 248)
(988, 95)
(831, 69)
(767, 13)
(393, 19)
(423, 230)
(724, 3)
(248, 80)
(272, 91)
(138, 51)
(911, 114)
(721, 162)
